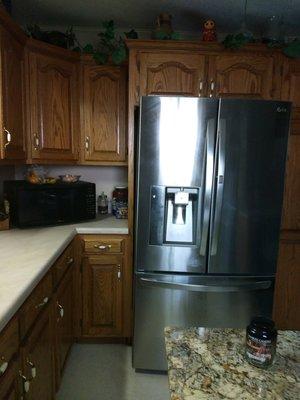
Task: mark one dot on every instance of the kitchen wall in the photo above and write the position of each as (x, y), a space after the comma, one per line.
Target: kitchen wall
(6, 173)
(105, 178)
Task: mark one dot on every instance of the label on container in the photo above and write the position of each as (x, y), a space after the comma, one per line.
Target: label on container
(259, 350)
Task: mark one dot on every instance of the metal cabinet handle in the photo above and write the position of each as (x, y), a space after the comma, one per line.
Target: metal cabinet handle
(200, 87)
(8, 136)
(26, 382)
(212, 88)
(3, 365)
(87, 143)
(32, 367)
(102, 246)
(61, 309)
(43, 303)
(119, 275)
(70, 260)
(36, 141)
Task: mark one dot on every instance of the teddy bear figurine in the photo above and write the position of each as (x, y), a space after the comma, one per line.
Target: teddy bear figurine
(209, 33)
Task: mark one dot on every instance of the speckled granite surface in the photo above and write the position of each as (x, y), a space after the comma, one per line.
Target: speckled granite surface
(210, 364)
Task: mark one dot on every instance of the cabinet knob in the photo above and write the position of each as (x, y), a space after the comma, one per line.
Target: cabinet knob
(36, 141)
(3, 365)
(200, 87)
(26, 382)
(8, 136)
(43, 303)
(102, 246)
(119, 275)
(87, 143)
(70, 260)
(32, 368)
(60, 309)
(212, 88)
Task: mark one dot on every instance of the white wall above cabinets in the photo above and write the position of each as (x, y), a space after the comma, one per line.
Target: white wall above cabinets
(105, 178)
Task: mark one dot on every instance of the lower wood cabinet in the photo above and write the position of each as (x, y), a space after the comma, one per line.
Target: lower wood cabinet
(37, 359)
(63, 324)
(10, 383)
(102, 295)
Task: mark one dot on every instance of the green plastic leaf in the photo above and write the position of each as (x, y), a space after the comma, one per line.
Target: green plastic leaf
(175, 36)
(292, 49)
(100, 58)
(119, 55)
(88, 48)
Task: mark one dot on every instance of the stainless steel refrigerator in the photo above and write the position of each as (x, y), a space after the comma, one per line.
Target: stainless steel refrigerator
(209, 190)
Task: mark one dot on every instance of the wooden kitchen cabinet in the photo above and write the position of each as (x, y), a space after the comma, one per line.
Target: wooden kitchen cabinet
(12, 92)
(287, 300)
(241, 75)
(172, 73)
(37, 359)
(63, 326)
(103, 114)
(52, 88)
(10, 387)
(102, 295)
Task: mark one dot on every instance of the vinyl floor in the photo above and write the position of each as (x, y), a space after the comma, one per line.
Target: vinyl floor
(104, 372)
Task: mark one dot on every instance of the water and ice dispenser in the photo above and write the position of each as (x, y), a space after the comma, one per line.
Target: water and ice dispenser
(173, 215)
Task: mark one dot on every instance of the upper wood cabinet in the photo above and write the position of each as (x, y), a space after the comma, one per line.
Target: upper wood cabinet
(53, 104)
(102, 295)
(241, 75)
(172, 74)
(103, 114)
(12, 110)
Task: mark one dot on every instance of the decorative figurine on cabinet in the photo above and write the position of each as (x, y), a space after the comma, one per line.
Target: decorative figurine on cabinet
(209, 33)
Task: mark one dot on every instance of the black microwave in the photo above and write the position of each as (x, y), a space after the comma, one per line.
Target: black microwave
(49, 204)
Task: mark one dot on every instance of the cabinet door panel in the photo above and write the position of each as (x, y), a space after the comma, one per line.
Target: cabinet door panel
(53, 89)
(10, 383)
(241, 76)
(287, 300)
(102, 296)
(12, 66)
(38, 350)
(173, 74)
(104, 91)
(64, 322)
(291, 91)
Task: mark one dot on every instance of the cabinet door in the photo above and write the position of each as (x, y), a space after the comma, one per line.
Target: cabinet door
(287, 299)
(12, 93)
(64, 322)
(53, 108)
(104, 114)
(291, 92)
(102, 296)
(173, 74)
(241, 75)
(37, 355)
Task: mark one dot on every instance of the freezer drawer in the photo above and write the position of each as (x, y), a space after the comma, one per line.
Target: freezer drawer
(183, 301)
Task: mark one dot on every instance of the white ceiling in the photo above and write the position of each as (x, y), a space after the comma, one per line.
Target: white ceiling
(188, 15)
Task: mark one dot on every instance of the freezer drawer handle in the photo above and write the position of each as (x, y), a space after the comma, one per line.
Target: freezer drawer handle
(259, 285)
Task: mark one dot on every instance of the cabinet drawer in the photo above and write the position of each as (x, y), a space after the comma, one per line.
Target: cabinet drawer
(9, 343)
(103, 246)
(60, 267)
(35, 304)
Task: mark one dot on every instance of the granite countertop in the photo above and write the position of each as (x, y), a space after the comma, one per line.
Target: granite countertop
(209, 364)
(27, 254)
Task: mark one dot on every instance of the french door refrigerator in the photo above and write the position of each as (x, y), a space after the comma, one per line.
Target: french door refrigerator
(209, 189)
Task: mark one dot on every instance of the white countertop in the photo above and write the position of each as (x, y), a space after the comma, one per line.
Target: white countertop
(27, 254)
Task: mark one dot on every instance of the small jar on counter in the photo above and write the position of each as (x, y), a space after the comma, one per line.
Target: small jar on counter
(120, 202)
(102, 204)
(261, 339)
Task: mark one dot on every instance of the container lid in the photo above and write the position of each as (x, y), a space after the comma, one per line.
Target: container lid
(263, 322)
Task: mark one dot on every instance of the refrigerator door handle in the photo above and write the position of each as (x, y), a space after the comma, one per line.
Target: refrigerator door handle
(209, 170)
(239, 287)
(219, 186)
